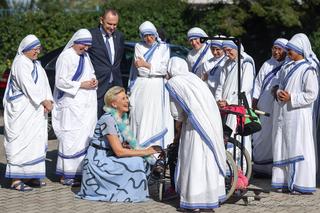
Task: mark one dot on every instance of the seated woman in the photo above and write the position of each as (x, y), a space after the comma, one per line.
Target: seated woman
(113, 171)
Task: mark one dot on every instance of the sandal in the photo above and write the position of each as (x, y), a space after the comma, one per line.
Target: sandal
(70, 182)
(36, 183)
(21, 187)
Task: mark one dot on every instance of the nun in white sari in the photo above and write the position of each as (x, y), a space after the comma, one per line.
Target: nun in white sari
(26, 102)
(75, 106)
(200, 170)
(150, 118)
(200, 52)
(227, 90)
(294, 161)
(263, 100)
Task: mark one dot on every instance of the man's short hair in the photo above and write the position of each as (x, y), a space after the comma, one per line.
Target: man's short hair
(109, 10)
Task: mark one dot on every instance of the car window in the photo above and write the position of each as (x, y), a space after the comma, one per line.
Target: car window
(52, 64)
(179, 51)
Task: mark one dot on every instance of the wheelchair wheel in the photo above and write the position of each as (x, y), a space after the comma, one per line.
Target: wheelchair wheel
(247, 166)
(231, 175)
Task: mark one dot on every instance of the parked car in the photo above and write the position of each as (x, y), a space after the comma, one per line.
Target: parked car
(48, 62)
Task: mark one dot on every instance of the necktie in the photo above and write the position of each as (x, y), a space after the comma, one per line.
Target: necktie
(109, 49)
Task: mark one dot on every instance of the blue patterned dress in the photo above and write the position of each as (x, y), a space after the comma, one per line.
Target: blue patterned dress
(110, 178)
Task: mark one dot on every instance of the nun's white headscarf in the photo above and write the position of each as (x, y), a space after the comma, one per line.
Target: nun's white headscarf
(196, 32)
(147, 28)
(281, 43)
(28, 43)
(217, 43)
(301, 45)
(177, 66)
(82, 36)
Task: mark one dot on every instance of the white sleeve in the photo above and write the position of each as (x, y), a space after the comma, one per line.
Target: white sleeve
(176, 111)
(247, 79)
(64, 74)
(218, 95)
(28, 87)
(310, 88)
(258, 82)
(160, 60)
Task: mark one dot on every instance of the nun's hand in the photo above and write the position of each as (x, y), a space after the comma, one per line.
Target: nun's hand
(140, 62)
(284, 96)
(47, 105)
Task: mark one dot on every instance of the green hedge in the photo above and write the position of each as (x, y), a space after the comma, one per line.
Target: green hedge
(258, 24)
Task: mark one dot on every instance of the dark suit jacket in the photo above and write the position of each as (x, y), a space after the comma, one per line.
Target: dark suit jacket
(101, 63)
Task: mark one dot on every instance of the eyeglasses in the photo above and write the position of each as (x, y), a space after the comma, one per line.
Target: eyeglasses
(37, 49)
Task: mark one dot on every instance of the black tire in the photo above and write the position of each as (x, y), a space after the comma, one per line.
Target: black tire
(51, 134)
(231, 178)
(246, 157)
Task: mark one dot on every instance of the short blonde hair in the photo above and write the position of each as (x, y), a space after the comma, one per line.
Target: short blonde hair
(111, 94)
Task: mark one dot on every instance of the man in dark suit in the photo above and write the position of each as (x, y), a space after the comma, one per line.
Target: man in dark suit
(106, 53)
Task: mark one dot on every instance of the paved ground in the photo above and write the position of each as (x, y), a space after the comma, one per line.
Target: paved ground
(57, 198)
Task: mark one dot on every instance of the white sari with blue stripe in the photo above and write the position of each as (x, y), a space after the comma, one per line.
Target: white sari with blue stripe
(294, 164)
(196, 58)
(75, 111)
(228, 88)
(199, 175)
(150, 118)
(25, 122)
(262, 142)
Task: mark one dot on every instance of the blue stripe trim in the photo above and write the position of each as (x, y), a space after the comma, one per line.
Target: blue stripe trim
(195, 35)
(303, 189)
(215, 68)
(196, 125)
(148, 55)
(31, 46)
(84, 41)
(230, 44)
(76, 155)
(290, 73)
(295, 187)
(293, 47)
(281, 45)
(23, 175)
(267, 79)
(77, 75)
(288, 161)
(195, 66)
(279, 185)
(155, 138)
(148, 32)
(292, 172)
(216, 44)
(188, 205)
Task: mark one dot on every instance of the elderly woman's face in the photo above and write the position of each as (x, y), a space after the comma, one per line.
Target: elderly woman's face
(278, 53)
(195, 43)
(231, 53)
(217, 52)
(80, 48)
(121, 102)
(33, 53)
(149, 39)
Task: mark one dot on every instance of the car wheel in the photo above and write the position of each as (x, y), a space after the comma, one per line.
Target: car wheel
(51, 134)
